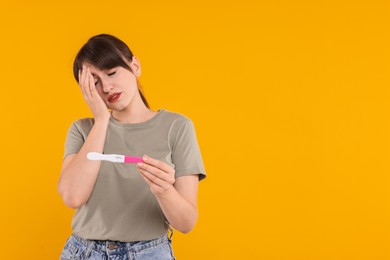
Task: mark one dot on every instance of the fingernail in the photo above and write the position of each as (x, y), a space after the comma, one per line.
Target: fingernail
(144, 158)
(139, 164)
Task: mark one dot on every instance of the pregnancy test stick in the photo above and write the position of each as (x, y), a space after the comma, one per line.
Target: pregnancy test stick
(116, 158)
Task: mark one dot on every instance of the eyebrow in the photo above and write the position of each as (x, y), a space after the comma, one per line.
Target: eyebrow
(107, 70)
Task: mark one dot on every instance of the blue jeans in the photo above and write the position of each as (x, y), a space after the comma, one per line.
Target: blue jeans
(77, 248)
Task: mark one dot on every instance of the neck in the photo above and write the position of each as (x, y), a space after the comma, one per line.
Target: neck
(133, 115)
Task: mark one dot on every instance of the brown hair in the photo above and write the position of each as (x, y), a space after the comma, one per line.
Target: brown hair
(104, 52)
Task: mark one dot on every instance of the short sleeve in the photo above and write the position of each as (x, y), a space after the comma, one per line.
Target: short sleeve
(74, 140)
(186, 155)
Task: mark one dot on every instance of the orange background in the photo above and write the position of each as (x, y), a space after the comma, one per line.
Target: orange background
(290, 101)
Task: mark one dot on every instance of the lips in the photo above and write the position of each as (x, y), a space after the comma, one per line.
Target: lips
(114, 97)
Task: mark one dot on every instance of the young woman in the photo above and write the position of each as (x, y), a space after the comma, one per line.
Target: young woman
(124, 211)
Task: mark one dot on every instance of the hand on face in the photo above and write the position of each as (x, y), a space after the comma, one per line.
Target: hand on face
(159, 175)
(91, 96)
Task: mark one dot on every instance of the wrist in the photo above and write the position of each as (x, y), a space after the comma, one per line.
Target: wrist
(102, 120)
(165, 193)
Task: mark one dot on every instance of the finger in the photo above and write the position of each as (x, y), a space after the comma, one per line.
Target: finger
(91, 85)
(153, 179)
(157, 163)
(151, 169)
(86, 84)
(83, 75)
(81, 79)
(153, 187)
(94, 91)
(164, 176)
(147, 180)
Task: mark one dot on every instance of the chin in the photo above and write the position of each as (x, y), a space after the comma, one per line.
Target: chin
(117, 108)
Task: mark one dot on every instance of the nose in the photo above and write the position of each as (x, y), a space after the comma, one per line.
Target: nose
(106, 86)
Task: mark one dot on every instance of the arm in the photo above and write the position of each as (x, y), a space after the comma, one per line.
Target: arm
(78, 174)
(177, 198)
(180, 204)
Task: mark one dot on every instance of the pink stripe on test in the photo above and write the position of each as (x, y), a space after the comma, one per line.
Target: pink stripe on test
(132, 159)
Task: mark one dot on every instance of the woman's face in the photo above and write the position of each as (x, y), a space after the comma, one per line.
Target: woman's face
(117, 86)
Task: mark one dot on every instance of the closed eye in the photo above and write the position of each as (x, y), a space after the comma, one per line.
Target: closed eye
(109, 74)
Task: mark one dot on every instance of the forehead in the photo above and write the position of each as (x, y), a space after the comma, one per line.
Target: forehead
(94, 70)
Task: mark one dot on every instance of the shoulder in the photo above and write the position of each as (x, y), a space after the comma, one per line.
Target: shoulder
(83, 124)
(181, 127)
(175, 118)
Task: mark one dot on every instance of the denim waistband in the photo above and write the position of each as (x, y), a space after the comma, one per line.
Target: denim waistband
(109, 245)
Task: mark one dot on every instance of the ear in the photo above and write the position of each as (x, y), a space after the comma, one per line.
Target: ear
(135, 66)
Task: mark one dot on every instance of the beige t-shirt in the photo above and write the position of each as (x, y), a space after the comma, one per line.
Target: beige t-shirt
(121, 206)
